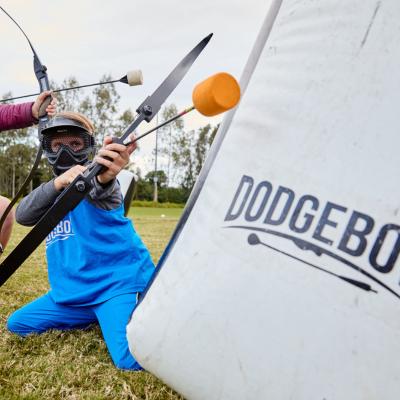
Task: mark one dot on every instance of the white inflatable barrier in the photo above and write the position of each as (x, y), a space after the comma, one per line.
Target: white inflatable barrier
(126, 180)
(282, 279)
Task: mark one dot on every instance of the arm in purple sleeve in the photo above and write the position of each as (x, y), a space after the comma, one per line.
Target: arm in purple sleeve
(15, 116)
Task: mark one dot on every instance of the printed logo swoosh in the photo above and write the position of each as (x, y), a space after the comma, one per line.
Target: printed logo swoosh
(302, 244)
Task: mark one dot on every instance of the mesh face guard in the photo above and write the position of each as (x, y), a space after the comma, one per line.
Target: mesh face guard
(66, 143)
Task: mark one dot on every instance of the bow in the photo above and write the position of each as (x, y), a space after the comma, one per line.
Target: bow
(82, 185)
(43, 80)
(40, 73)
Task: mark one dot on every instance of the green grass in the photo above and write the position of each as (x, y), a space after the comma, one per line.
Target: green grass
(152, 204)
(155, 212)
(71, 365)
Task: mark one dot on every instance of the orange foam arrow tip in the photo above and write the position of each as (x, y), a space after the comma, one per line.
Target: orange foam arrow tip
(216, 94)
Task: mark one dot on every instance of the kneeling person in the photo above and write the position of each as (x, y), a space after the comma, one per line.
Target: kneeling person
(97, 263)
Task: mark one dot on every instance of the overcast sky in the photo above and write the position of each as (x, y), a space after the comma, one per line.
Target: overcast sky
(88, 38)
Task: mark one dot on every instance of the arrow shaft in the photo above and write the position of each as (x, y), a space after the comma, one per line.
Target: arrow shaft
(175, 117)
(60, 90)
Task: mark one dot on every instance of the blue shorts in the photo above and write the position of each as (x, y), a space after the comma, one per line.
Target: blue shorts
(112, 315)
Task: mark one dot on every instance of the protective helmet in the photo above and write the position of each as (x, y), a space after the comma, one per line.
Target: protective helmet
(67, 140)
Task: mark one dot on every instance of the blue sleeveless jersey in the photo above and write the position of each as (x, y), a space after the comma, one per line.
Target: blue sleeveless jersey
(94, 255)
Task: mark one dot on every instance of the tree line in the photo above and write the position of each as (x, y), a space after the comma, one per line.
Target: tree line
(181, 154)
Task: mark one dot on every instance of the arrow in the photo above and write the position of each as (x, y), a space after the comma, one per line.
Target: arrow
(132, 78)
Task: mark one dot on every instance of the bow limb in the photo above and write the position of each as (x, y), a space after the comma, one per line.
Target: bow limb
(43, 81)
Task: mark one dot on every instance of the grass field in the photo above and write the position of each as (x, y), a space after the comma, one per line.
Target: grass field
(72, 365)
(155, 212)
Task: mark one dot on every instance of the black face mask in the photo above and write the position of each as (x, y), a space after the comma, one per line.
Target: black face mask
(65, 158)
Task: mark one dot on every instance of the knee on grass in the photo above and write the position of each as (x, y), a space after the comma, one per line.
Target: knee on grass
(15, 325)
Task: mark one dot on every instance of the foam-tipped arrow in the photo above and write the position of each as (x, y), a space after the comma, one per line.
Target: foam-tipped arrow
(132, 78)
(215, 95)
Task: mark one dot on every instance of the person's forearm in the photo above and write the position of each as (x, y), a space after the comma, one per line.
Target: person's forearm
(15, 116)
(34, 206)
